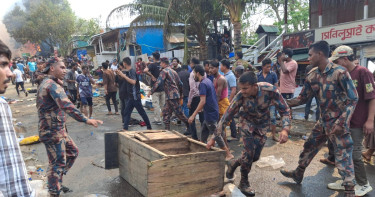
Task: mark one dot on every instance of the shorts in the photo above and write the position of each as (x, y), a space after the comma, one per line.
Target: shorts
(86, 101)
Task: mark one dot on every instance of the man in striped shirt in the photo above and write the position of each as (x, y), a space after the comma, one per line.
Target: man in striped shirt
(13, 177)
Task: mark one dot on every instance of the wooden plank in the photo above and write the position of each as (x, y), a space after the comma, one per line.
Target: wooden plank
(142, 149)
(179, 134)
(194, 188)
(159, 137)
(134, 158)
(187, 175)
(198, 147)
(174, 161)
(111, 150)
(163, 146)
(132, 169)
(203, 144)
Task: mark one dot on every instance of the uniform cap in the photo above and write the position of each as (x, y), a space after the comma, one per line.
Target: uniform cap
(341, 51)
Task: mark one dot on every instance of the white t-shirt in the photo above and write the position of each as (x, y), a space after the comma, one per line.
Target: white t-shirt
(18, 74)
(114, 67)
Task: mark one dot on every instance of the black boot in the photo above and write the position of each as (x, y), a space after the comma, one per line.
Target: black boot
(65, 189)
(244, 185)
(296, 175)
(232, 165)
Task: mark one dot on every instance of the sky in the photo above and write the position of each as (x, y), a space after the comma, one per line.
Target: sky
(83, 8)
(97, 9)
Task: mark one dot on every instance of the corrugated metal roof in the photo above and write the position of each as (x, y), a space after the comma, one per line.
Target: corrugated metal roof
(267, 29)
(301, 57)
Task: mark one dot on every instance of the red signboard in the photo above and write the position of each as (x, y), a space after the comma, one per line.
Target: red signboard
(298, 40)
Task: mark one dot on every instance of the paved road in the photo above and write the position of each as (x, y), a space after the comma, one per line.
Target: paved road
(85, 178)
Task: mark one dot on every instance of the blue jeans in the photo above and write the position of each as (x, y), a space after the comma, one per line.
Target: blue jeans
(185, 109)
(308, 107)
(129, 106)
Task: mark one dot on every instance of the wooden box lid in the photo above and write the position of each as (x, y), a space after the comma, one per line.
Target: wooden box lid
(157, 135)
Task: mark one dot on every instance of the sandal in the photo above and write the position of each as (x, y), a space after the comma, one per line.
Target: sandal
(366, 159)
(109, 113)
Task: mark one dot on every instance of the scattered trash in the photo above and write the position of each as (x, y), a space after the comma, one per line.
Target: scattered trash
(30, 159)
(31, 90)
(92, 133)
(30, 140)
(37, 186)
(31, 105)
(230, 190)
(304, 137)
(31, 99)
(19, 128)
(96, 165)
(20, 138)
(270, 161)
(19, 123)
(31, 168)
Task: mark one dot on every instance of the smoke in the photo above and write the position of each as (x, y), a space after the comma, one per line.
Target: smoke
(9, 41)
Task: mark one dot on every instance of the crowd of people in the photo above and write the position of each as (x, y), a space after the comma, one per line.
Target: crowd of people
(219, 93)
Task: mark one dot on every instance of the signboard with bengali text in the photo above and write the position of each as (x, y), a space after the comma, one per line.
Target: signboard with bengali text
(359, 31)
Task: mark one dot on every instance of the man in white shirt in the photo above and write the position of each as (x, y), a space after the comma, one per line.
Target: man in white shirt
(13, 177)
(17, 74)
(114, 65)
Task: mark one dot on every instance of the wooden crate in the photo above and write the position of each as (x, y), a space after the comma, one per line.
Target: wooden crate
(167, 163)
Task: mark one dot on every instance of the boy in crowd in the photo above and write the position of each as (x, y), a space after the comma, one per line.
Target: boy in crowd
(110, 88)
(85, 90)
(270, 77)
(17, 74)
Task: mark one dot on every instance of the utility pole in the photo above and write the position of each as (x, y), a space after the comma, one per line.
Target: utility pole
(286, 16)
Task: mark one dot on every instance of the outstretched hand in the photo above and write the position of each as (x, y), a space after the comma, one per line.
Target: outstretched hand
(93, 122)
(283, 136)
(210, 143)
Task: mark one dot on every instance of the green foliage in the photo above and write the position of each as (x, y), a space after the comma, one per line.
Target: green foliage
(298, 14)
(49, 21)
(248, 37)
(86, 28)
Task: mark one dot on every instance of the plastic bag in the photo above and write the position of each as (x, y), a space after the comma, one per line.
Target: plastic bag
(30, 140)
(270, 161)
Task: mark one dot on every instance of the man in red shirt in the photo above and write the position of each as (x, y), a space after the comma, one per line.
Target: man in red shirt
(288, 73)
(139, 67)
(362, 121)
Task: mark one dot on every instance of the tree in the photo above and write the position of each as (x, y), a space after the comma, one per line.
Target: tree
(236, 9)
(298, 14)
(47, 21)
(196, 14)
